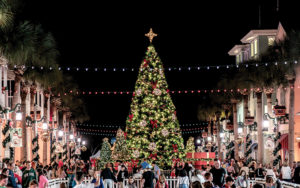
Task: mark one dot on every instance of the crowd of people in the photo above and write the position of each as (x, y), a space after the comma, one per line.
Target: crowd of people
(227, 174)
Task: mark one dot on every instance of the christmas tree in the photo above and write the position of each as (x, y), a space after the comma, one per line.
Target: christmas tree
(120, 151)
(152, 127)
(105, 153)
(190, 145)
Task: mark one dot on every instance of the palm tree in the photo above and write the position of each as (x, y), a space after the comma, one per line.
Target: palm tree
(6, 14)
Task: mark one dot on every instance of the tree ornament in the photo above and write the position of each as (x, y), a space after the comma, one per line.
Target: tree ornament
(136, 153)
(165, 132)
(157, 92)
(173, 117)
(139, 92)
(143, 123)
(152, 146)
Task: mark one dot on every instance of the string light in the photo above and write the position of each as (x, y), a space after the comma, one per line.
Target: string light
(112, 125)
(199, 91)
(188, 68)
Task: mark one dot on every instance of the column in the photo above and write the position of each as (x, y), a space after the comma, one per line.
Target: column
(260, 151)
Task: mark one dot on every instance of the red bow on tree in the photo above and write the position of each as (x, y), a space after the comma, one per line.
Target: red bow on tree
(175, 148)
(153, 123)
(146, 63)
(153, 156)
(130, 117)
(154, 84)
(125, 135)
(168, 90)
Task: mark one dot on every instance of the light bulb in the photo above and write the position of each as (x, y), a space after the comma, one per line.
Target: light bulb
(18, 116)
(222, 135)
(79, 139)
(209, 138)
(45, 126)
(71, 137)
(60, 133)
(240, 130)
(266, 123)
(198, 141)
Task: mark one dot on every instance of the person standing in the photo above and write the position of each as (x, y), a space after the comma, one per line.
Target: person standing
(11, 179)
(183, 180)
(242, 180)
(43, 181)
(108, 177)
(3, 180)
(28, 175)
(286, 172)
(122, 174)
(148, 179)
(156, 170)
(219, 174)
(259, 172)
(296, 176)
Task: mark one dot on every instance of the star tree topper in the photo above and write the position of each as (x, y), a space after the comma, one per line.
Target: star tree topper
(151, 35)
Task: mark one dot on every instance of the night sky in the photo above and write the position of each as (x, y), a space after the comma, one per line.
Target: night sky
(94, 34)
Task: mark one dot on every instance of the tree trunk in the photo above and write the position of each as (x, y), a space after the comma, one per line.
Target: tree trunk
(291, 121)
(235, 129)
(260, 152)
(24, 93)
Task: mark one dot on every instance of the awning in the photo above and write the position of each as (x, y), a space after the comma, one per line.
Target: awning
(254, 146)
(284, 141)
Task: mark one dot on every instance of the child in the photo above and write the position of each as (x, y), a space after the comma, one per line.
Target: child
(131, 183)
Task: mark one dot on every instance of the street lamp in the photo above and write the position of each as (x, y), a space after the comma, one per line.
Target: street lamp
(240, 130)
(222, 134)
(19, 115)
(45, 126)
(83, 142)
(71, 137)
(209, 138)
(198, 141)
(60, 133)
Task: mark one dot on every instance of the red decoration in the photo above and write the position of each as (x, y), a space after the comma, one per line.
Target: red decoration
(153, 156)
(168, 90)
(154, 84)
(125, 135)
(175, 148)
(146, 63)
(130, 117)
(153, 123)
(3, 90)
